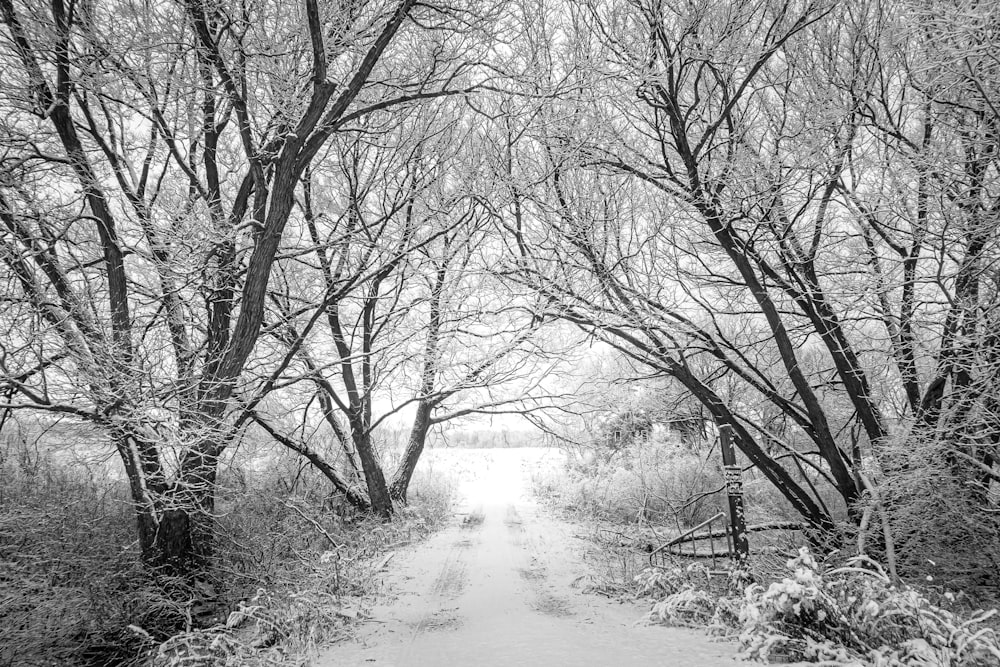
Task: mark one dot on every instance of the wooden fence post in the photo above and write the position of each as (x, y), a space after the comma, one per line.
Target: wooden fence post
(734, 489)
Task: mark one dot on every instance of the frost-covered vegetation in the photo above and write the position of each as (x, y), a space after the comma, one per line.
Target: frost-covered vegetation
(293, 567)
(641, 488)
(656, 482)
(852, 613)
(301, 221)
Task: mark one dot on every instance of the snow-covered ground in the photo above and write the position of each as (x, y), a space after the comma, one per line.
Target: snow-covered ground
(502, 585)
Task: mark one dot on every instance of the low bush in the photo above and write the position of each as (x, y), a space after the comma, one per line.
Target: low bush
(69, 584)
(945, 524)
(855, 612)
(852, 614)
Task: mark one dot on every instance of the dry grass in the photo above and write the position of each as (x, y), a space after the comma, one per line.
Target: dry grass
(656, 481)
(292, 569)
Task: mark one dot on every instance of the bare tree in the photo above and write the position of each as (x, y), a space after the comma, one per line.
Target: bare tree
(775, 207)
(683, 222)
(930, 225)
(151, 156)
(418, 323)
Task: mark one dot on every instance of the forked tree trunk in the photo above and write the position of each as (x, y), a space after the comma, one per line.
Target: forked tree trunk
(425, 408)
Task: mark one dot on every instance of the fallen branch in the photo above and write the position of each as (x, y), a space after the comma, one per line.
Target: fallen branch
(722, 532)
(682, 553)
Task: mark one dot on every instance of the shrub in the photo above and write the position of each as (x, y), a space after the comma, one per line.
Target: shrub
(70, 583)
(687, 596)
(844, 615)
(856, 613)
(942, 527)
(430, 495)
(653, 480)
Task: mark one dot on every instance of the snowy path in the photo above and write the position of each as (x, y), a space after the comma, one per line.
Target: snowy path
(500, 586)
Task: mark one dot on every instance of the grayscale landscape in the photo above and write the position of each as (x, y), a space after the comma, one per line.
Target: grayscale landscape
(489, 332)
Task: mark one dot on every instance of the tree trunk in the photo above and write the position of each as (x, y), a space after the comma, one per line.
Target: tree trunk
(174, 520)
(378, 491)
(425, 408)
(173, 540)
(414, 448)
(167, 542)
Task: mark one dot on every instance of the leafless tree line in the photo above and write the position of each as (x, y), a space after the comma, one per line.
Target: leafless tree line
(228, 215)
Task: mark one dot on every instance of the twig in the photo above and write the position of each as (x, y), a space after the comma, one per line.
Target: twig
(315, 524)
(385, 561)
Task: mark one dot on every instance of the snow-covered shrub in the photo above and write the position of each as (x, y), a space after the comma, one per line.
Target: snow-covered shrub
(659, 582)
(683, 597)
(690, 607)
(856, 613)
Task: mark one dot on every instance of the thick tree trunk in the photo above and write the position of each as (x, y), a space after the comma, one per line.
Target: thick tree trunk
(167, 542)
(414, 448)
(173, 540)
(378, 491)
(174, 520)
